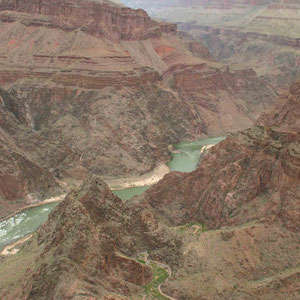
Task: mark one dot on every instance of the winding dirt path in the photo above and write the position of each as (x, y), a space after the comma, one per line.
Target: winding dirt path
(196, 227)
(165, 295)
(164, 266)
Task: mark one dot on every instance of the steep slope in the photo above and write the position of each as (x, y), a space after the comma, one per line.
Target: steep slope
(88, 248)
(98, 18)
(114, 97)
(247, 189)
(251, 163)
(23, 174)
(284, 115)
(228, 230)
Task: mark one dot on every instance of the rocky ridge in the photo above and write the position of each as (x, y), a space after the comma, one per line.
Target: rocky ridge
(88, 248)
(228, 230)
(247, 190)
(99, 18)
(259, 158)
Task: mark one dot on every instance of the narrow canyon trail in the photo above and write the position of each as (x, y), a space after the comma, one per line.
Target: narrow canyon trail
(163, 266)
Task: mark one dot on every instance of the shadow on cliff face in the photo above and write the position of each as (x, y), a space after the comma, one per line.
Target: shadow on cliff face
(22, 171)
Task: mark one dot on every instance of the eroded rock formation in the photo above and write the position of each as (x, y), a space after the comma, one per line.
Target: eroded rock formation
(257, 159)
(100, 18)
(109, 99)
(228, 230)
(247, 189)
(23, 174)
(88, 248)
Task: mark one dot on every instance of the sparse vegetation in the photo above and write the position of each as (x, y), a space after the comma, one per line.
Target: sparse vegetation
(141, 261)
(183, 228)
(159, 276)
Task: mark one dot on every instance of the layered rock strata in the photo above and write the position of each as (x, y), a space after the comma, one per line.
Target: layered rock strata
(263, 35)
(99, 18)
(113, 97)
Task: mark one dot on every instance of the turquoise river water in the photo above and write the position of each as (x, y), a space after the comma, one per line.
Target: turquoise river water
(27, 221)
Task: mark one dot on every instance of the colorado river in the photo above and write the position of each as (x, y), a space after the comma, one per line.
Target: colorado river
(186, 155)
(184, 158)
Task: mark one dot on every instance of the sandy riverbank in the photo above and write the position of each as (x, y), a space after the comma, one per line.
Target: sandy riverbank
(147, 179)
(11, 248)
(150, 178)
(118, 184)
(115, 184)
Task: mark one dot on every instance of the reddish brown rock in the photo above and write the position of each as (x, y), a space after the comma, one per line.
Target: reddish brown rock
(244, 196)
(114, 99)
(253, 261)
(89, 247)
(263, 35)
(100, 18)
(239, 174)
(285, 114)
(24, 180)
(212, 91)
(247, 188)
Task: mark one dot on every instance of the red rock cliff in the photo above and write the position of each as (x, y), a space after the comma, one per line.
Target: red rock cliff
(99, 18)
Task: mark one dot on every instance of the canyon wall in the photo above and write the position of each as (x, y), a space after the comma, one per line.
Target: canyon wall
(228, 230)
(99, 18)
(247, 190)
(257, 159)
(274, 57)
(110, 99)
(263, 35)
(74, 103)
(23, 174)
